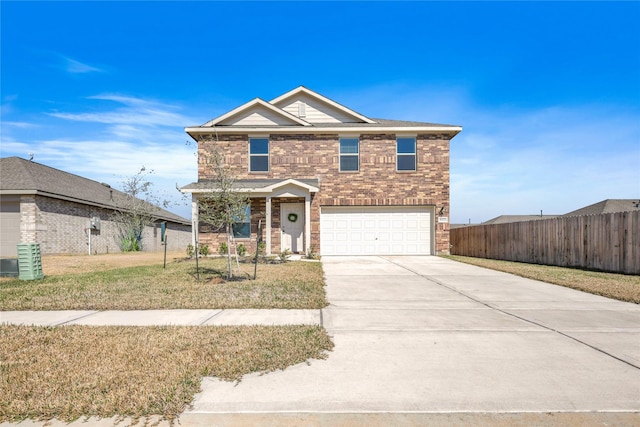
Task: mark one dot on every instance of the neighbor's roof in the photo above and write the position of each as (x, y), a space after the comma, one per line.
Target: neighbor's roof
(505, 219)
(607, 206)
(302, 110)
(19, 176)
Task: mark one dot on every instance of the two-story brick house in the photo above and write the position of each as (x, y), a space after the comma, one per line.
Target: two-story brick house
(322, 176)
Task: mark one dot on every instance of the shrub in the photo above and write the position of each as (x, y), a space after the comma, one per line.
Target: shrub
(223, 249)
(242, 249)
(203, 250)
(312, 254)
(285, 255)
(190, 251)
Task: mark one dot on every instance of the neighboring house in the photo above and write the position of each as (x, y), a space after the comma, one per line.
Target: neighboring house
(68, 214)
(607, 206)
(321, 176)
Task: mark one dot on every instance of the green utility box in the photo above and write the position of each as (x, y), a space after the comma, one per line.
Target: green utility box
(29, 261)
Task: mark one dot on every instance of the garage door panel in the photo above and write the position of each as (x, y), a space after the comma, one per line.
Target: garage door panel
(369, 230)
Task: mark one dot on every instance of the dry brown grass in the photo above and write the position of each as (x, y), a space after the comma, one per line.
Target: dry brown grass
(291, 285)
(617, 286)
(73, 371)
(56, 265)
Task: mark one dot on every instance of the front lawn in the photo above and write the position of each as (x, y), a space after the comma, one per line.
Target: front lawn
(295, 284)
(75, 371)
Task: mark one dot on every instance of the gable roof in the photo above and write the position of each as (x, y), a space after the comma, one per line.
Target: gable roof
(302, 93)
(607, 206)
(256, 105)
(19, 176)
(302, 110)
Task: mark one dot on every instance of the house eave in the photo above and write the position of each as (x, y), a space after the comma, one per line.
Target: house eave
(55, 196)
(197, 130)
(111, 207)
(268, 189)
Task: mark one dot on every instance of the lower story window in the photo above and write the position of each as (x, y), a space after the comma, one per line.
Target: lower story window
(242, 227)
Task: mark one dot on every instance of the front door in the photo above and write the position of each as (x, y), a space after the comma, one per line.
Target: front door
(292, 227)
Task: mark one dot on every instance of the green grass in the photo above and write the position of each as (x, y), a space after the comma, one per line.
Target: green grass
(290, 285)
(617, 286)
(76, 371)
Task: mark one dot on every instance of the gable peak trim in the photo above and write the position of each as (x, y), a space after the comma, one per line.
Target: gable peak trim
(321, 98)
(254, 103)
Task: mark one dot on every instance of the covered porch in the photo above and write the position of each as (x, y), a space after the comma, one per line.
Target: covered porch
(282, 207)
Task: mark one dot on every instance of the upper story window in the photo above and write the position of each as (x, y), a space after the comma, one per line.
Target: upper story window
(406, 154)
(349, 155)
(258, 154)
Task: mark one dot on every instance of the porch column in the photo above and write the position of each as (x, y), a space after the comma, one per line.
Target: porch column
(307, 222)
(268, 228)
(194, 219)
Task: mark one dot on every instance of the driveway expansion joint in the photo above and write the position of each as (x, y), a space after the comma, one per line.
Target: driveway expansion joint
(500, 310)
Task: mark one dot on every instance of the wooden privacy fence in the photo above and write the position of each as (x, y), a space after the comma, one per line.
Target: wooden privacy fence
(606, 242)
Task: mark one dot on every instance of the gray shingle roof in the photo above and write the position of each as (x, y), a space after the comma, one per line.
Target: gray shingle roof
(20, 176)
(607, 206)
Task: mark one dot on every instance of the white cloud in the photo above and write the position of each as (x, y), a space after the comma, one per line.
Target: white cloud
(21, 125)
(136, 111)
(76, 67)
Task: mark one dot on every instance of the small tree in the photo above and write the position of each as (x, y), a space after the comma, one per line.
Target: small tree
(136, 208)
(224, 205)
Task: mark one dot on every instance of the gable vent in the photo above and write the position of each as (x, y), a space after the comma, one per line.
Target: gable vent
(302, 109)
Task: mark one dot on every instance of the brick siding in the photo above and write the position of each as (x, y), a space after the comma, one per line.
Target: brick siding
(61, 227)
(316, 156)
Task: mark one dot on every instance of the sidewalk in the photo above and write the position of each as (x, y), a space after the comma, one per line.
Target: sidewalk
(230, 317)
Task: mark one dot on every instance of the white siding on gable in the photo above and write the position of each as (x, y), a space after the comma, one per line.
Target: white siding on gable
(258, 117)
(317, 112)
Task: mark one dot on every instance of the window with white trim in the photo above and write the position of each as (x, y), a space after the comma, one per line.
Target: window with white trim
(349, 155)
(258, 154)
(242, 227)
(406, 154)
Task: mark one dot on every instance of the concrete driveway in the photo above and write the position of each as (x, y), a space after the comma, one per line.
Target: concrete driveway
(426, 335)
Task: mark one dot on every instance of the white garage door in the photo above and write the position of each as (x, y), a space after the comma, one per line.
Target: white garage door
(393, 230)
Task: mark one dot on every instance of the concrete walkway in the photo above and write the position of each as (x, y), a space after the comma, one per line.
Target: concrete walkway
(426, 340)
(162, 317)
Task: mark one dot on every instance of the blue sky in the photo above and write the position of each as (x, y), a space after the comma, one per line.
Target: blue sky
(548, 94)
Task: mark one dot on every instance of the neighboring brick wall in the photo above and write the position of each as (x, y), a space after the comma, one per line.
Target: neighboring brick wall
(62, 227)
(317, 157)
